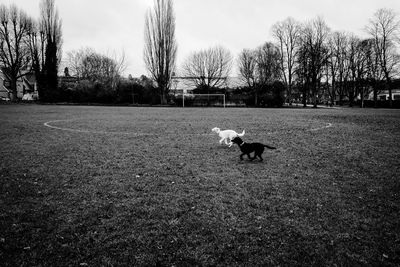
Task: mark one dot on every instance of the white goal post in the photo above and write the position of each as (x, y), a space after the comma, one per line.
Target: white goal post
(203, 95)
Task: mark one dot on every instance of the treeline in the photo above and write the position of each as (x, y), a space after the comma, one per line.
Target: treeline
(124, 91)
(318, 65)
(306, 62)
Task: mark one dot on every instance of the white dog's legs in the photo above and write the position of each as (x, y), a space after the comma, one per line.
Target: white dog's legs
(225, 140)
(228, 142)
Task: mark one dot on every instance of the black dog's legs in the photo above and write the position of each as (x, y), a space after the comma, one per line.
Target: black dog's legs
(259, 153)
(251, 158)
(255, 156)
(248, 155)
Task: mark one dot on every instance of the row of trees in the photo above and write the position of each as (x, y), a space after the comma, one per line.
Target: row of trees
(314, 62)
(31, 44)
(87, 64)
(259, 68)
(310, 60)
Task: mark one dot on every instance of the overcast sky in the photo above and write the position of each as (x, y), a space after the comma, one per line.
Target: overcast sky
(113, 26)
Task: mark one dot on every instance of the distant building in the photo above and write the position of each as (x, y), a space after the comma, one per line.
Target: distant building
(185, 85)
(27, 88)
(181, 85)
(5, 93)
(384, 95)
(67, 79)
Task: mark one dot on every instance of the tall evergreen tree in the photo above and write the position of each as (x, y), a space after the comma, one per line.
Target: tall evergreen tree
(45, 45)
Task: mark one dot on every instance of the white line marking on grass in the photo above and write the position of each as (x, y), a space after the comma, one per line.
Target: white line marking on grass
(48, 124)
(323, 127)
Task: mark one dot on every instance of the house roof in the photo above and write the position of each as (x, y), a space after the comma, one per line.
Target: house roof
(5, 72)
(31, 78)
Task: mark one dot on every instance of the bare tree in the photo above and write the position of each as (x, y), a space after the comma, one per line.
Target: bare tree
(95, 67)
(303, 72)
(267, 68)
(160, 45)
(14, 53)
(315, 53)
(36, 43)
(247, 62)
(374, 73)
(208, 68)
(338, 44)
(362, 53)
(74, 61)
(259, 67)
(384, 29)
(287, 35)
(267, 63)
(332, 65)
(353, 64)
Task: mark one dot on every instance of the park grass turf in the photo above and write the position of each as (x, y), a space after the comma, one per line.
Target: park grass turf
(146, 186)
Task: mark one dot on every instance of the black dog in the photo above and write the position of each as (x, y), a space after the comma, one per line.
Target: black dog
(248, 148)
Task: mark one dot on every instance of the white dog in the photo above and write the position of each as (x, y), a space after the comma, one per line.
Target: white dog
(226, 135)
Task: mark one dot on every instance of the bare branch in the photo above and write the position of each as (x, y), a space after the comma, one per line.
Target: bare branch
(209, 67)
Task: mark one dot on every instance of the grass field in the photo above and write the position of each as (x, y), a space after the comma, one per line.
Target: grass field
(130, 186)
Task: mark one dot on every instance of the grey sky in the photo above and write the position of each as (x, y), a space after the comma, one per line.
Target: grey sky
(112, 26)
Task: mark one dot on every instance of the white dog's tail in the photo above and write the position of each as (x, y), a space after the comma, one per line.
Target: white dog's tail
(240, 135)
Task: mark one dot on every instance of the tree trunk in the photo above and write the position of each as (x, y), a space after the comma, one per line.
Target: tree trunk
(315, 97)
(163, 99)
(333, 96)
(289, 93)
(362, 96)
(304, 96)
(315, 91)
(351, 97)
(163, 95)
(14, 91)
(389, 88)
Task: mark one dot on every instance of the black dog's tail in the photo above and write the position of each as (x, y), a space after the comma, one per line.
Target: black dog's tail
(270, 147)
